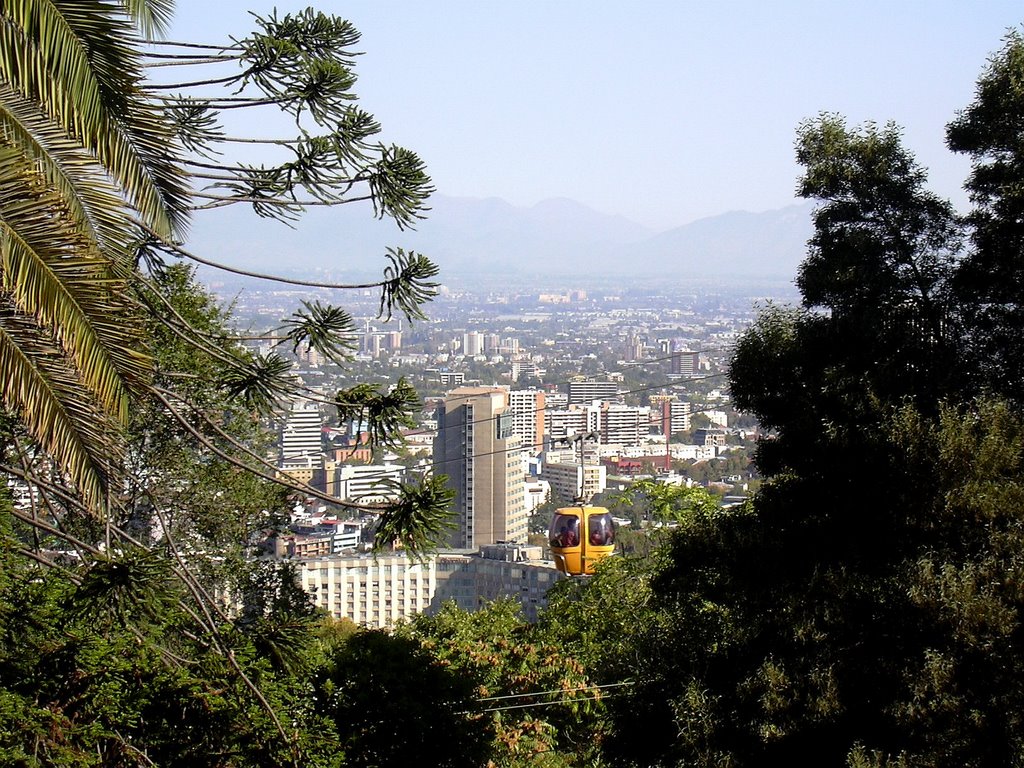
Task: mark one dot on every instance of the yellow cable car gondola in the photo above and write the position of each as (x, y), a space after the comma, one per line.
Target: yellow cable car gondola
(579, 537)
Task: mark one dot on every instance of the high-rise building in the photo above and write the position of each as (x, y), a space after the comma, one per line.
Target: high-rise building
(472, 343)
(685, 363)
(301, 434)
(477, 449)
(527, 409)
(570, 479)
(669, 414)
(371, 344)
(624, 424)
(586, 392)
(635, 348)
(563, 423)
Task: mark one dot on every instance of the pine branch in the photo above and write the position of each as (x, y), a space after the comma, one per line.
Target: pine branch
(276, 478)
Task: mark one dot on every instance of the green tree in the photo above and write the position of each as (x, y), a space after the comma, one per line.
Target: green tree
(532, 695)
(990, 279)
(82, 155)
(96, 676)
(132, 413)
(859, 610)
(616, 626)
(395, 704)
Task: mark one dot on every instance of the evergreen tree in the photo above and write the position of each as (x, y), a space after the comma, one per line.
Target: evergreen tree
(861, 609)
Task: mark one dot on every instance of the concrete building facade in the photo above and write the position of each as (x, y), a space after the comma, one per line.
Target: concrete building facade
(381, 591)
(300, 437)
(527, 409)
(586, 392)
(567, 479)
(479, 452)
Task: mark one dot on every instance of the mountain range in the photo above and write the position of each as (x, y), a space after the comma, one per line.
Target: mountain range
(465, 236)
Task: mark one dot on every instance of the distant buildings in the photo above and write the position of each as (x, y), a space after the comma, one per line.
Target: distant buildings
(367, 483)
(300, 445)
(613, 423)
(586, 392)
(669, 414)
(562, 423)
(472, 343)
(448, 378)
(301, 433)
(523, 367)
(569, 480)
(685, 363)
(709, 437)
(477, 449)
(527, 408)
(624, 424)
(635, 348)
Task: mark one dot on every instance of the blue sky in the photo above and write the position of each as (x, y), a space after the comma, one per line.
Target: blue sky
(663, 112)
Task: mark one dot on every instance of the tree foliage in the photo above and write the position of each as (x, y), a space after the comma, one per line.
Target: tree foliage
(132, 411)
(394, 703)
(534, 697)
(861, 609)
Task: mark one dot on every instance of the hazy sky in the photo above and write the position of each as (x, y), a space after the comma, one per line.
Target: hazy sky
(661, 111)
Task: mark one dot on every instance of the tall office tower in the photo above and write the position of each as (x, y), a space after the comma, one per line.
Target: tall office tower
(560, 424)
(669, 414)
(478, 450)
(527, 409)
(634, 348)
(624, 424)
(301, 434)
(586, 392)
(371, 343)
(684, 363)
(472, 343)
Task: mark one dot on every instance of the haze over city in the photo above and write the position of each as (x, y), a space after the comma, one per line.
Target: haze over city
(661, 112)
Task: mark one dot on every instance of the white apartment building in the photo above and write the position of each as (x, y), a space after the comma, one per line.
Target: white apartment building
(585, 392)
(560, 424)
(380, 591)
(615, 423)
(624, 424)
(569, 478)
(365, 482)
(300, 437)
(371, 591)
(527, 407)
